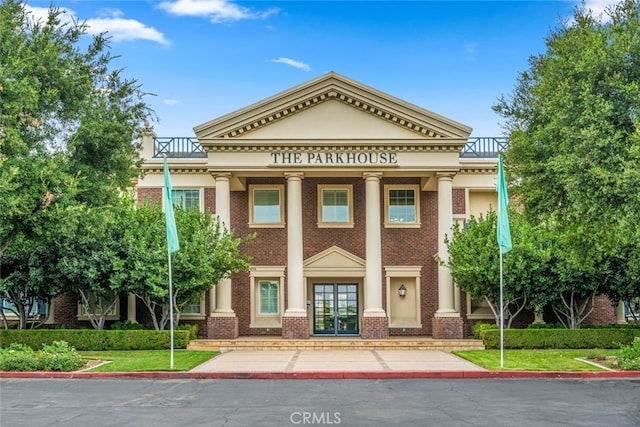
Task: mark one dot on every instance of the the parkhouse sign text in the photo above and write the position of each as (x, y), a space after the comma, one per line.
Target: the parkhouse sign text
(333, 158)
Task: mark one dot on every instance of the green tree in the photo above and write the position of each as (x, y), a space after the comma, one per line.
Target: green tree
(17, 284)
(88, 258)
(573, 123)
(574, 153)
(208, 253)
(624, 266)
(69, 126)
(474, 260)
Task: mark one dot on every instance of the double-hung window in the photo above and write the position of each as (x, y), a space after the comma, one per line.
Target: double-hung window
(186, 198)
(335, 206)
(269, 298)
(193, 308)
(266, 206)
(402, 205)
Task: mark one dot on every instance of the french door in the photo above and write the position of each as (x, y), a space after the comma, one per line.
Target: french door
(335, 308)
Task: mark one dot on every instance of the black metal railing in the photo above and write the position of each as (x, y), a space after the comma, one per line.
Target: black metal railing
(178, 147)
(189, 148)
(484, 147)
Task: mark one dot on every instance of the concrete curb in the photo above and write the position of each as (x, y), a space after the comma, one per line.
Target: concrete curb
(330, 375)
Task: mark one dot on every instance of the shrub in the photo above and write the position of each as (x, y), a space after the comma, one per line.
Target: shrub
(19, 357)
(479, 329)
(59, 356)
(127, 326)
(560, 338)
(194, 330)
(96, 339)
(629, 356)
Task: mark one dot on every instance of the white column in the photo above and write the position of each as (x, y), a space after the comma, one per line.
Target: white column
(620, 318)
(373, 267)
(295, 270)
(223, 212)
(446, 304)
(131, 308)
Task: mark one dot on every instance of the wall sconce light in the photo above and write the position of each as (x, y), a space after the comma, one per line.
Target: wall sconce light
(402, 291)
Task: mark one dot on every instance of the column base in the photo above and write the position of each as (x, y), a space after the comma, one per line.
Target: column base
(447, 328)
(295, 327)
(222, 327)
(374, 328)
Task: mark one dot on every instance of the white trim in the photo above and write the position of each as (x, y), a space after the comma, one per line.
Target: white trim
(258, 274)
(346, 224)
(409, 275)
(252, 222)
(416, 194)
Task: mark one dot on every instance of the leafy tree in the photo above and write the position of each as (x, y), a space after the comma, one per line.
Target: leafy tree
(17, 285)
(69, 124)
(208, 253)
(574, 150)
(475, 265)
(624, 267)
(573, 122)
(87, 257)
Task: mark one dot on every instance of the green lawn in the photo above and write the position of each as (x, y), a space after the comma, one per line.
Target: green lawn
(535, 360)
(147, 360)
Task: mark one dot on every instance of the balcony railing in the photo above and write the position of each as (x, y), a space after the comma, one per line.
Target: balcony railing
(178, 147)
(190, 148)
(484, 147)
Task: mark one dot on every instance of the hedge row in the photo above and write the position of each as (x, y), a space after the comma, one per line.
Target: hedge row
(559, 338)
(96, 340)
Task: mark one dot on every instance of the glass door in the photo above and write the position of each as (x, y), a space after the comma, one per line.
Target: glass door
(335, 308)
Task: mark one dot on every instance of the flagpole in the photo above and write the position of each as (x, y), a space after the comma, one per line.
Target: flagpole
(501, 317)
(170, 311)
(504, 243)
(172, 246)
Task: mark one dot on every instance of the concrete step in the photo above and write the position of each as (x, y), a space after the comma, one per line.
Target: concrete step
(314, 343)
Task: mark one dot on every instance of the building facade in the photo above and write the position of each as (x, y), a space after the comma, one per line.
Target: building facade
(350, 193)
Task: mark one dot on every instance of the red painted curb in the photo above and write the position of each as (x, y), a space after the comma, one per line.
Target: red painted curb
(330, 375)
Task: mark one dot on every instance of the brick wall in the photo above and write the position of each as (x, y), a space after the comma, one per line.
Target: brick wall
(448, 328)
(222, 327)
(374, 328)
(209, 199)
(410, 246)
(459, 206)
(153, 195)
(296, 328)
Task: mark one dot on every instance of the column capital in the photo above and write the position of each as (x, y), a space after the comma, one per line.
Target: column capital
(445, 176)
(294, 176)
(220, 175)
(371, 176)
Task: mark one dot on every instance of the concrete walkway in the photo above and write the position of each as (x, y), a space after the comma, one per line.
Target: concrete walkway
(323, 361)
(332, 364)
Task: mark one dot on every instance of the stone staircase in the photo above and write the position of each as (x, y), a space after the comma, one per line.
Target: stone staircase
(334, 343)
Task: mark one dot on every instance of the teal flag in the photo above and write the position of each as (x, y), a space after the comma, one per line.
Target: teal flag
(172, 232)
(504, 231)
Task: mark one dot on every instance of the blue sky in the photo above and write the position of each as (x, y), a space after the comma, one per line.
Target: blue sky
(205, 58)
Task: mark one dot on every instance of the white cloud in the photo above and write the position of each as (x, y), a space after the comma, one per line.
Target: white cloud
(598, 9)
(293, 63)
(598, 6)
(216, 10)
(125, 29)
(110, 21)
(170, 101)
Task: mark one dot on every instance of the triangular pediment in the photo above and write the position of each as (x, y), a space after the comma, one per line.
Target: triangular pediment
(331, 106)
(334, 261)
